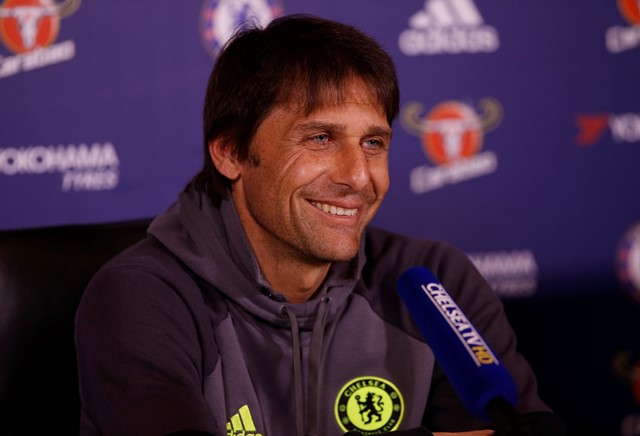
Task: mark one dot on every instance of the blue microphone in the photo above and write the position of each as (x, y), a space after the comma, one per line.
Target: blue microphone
(484, 385)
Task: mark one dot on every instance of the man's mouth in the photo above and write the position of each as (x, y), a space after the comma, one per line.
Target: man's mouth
(334, 210)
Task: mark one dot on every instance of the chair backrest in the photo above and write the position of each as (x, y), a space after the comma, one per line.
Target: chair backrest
(43, 273)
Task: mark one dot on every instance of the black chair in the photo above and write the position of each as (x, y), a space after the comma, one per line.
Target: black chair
(43, 273)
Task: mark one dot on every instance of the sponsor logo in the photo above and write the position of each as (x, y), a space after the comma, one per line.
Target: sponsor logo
(369, 405)
(82, 167)
(29, 28)
(628, 261)
(511, 274)
(220, 18)
(622, 38)
(241, 424)
(591, 127)
(452, 135)
(477, 348)
(448, 27)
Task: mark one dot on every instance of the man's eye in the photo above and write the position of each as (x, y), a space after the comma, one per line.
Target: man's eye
(322, 138)
(374, 143)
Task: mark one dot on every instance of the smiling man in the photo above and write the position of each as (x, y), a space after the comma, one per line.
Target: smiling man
(261, 303)
(310, 186)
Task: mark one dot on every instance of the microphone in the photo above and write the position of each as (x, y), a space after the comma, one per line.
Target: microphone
(484, 385)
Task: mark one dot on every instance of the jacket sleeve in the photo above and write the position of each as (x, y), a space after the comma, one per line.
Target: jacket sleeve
(445, 411)
(140, 361)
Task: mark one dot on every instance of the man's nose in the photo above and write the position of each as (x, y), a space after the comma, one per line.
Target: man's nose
(352, 166)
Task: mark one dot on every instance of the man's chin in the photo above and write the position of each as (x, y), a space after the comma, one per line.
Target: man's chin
(341, 254)
(334, 247)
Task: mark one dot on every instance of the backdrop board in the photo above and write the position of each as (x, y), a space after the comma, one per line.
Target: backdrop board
(518, 141)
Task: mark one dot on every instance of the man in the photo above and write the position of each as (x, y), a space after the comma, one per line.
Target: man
(260, 303)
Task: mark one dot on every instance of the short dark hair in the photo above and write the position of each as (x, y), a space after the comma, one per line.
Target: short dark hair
(297, 59)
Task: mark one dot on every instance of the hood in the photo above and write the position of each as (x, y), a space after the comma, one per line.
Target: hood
(212, 243)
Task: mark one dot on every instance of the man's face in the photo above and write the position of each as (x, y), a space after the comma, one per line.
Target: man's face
(318, 180)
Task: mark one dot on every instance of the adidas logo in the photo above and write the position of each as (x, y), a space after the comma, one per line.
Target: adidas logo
(241, 424)
(446, 13)
(448, 27)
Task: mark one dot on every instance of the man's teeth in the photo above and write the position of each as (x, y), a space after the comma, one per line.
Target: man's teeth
(334, 210)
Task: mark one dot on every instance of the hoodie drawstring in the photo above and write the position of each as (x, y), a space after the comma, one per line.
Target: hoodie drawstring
(315, 367)
(297, 371)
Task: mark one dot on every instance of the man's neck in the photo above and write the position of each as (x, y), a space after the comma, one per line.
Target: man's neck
(297, 281)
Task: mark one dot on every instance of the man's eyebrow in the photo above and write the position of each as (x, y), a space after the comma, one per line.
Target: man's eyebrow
(380, 131)
(319, 125)
(337, 127)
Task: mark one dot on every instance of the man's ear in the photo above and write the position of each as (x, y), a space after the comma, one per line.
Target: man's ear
(223, 159)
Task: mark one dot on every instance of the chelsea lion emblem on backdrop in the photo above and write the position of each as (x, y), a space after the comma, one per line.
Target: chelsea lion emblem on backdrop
(370, 405)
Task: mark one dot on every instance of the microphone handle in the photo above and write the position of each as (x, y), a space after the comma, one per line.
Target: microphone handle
(506, 420)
